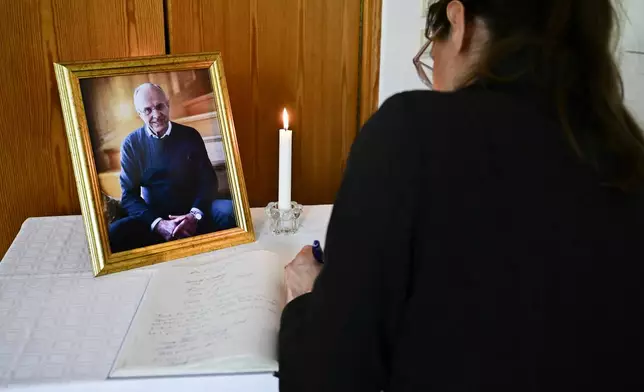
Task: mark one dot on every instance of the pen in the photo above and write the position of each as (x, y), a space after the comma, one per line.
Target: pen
(317, 252)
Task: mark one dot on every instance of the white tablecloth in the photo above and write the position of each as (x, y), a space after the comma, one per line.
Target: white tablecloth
(61, 328)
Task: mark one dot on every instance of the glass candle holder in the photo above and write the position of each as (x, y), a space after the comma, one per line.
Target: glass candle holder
(284, 222)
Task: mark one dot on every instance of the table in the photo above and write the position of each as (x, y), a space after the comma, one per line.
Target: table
(61, 328)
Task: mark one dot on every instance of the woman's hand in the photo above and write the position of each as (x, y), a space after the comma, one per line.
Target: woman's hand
(300, 274)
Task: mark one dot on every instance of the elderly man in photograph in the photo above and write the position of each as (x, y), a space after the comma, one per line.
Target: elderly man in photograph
(169, 187)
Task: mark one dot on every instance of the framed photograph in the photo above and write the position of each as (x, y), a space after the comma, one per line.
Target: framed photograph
(155, 158)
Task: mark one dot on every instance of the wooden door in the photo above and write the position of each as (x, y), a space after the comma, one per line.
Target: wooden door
(36, 174)
(300, 54)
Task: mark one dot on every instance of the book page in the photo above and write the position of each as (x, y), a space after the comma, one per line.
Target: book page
(219, 318)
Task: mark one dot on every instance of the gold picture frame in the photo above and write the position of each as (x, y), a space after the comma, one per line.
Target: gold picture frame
(72, 78)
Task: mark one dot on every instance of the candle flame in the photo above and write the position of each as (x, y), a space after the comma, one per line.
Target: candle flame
(285, 118)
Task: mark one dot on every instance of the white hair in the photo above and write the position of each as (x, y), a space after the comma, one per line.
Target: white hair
(147, 85)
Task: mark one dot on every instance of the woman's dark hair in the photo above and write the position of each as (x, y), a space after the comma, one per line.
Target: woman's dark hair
(570, 47)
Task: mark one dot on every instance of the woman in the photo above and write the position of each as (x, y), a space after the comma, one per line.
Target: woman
(487, 235)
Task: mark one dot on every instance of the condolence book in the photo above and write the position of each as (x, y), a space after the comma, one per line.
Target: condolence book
(214, 319)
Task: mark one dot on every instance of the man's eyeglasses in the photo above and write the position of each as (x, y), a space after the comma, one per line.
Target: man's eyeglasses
(158, 107)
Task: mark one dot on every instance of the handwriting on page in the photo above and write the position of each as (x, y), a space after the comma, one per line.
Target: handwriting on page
(215, 312)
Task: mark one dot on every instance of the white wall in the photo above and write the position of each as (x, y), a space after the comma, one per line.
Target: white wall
(402, 23)
(633, 37)
(632, 57)
(633, 75)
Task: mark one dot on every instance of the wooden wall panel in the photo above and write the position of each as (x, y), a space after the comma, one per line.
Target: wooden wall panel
(36, 174)
(370, 61)
(302, 54)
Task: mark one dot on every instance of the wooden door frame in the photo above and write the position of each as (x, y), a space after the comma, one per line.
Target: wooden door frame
(369, 88)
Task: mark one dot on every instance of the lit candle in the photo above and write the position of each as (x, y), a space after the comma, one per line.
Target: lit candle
(286, 150)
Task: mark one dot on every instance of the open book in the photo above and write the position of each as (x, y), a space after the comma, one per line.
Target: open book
(214, 319)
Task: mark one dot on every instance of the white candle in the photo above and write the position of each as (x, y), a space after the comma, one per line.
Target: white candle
(286, 150)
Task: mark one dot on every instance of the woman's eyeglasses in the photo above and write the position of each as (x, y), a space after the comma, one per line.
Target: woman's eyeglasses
(424, 62)
(425, 68)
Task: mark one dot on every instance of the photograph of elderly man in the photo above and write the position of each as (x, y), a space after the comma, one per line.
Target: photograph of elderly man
(169, 187)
